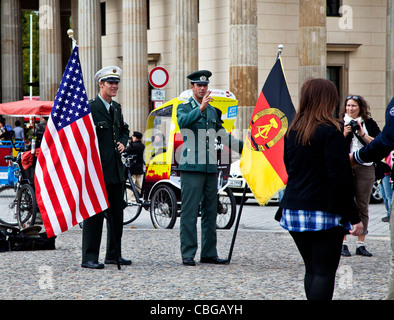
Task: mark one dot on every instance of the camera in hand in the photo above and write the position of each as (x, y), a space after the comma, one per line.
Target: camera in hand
(355, 126)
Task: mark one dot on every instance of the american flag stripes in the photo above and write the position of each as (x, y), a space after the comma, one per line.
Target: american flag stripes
(68, 177)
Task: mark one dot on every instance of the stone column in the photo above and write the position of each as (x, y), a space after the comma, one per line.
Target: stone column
(89, 42)
(135, 105)
(74, 18)
(312, 40)
(184, 43)
(243, 60)
(389, 52)
(50, 57)
(11, 51)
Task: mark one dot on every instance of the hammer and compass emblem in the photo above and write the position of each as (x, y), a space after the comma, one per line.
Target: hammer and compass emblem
(267, 127)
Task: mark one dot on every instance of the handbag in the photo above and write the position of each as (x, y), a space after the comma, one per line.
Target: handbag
(380, 169)
(29, 239)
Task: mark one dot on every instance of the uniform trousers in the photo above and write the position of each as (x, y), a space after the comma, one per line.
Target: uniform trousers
(196, 188)
(93, 227)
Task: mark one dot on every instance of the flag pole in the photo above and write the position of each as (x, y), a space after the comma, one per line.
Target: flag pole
(237, 224)
(70, 33)
(107, 213)
(280, 49)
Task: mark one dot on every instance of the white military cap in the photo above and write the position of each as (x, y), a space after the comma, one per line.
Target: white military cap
(111, 73)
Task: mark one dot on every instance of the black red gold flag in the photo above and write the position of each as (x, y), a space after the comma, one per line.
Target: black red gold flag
(262, 163)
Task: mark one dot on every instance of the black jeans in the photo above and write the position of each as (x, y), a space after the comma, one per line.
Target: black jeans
(321, 252)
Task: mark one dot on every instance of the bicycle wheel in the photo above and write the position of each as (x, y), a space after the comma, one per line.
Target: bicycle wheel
(164, 208)
(226, 209)
(26, 206)
(132, 209)
(8, 206)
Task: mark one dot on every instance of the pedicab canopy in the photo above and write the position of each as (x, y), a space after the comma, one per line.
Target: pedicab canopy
(21, 108)
(163, 139)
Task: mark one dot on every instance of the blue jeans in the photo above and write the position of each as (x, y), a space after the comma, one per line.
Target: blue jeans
(387, 192)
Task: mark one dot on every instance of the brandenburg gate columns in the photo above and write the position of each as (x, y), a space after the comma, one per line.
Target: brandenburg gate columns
(243, 60)
(135, 104)
(89, 42)
(11, 51)
(312, 40)
(184, 43)
(50, 56)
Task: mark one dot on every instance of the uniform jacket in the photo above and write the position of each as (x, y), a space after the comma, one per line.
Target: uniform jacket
(199, 131)
(381, 146)
(109, 132)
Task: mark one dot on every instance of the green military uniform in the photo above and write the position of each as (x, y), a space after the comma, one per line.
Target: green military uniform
(110, 129)
(198, 166)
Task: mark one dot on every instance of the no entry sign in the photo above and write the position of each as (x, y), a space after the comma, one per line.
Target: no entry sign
(158, 77)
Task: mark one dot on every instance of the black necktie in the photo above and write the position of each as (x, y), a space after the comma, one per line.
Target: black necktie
(111, 111)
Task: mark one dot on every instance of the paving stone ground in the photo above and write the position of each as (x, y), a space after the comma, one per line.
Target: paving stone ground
(265, 265)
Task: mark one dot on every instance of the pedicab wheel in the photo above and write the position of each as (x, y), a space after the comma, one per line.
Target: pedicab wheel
(163, 208)
(26, 206)
(7, 205)
(227, 208)
(132, 209)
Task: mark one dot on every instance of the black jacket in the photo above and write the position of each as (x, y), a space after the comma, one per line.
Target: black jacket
(137, 148)
(383, 144)
(320, 176)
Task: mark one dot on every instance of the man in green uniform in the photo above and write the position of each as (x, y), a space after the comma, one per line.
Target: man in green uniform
(200, 125)
(112, 133)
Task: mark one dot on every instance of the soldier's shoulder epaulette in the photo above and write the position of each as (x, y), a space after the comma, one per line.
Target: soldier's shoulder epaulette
(190, 104)
(184, 104)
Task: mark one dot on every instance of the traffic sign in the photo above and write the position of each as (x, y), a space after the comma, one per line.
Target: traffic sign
(158, 77)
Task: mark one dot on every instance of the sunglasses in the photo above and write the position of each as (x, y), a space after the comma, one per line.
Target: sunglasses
(352, 97)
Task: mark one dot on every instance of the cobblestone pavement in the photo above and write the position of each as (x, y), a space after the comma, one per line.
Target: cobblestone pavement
(265, 266)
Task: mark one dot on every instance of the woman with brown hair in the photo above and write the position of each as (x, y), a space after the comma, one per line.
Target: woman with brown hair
(359, 130)
(318, 205)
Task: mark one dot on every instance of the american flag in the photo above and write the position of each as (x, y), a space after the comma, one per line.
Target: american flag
(69, 180)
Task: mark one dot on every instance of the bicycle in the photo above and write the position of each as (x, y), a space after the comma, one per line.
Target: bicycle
(18, 201)
(133, 200)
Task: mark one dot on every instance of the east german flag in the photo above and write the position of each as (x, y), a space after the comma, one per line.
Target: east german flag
(262, 163)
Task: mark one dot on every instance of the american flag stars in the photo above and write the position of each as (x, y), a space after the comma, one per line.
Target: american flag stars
(71, 102)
